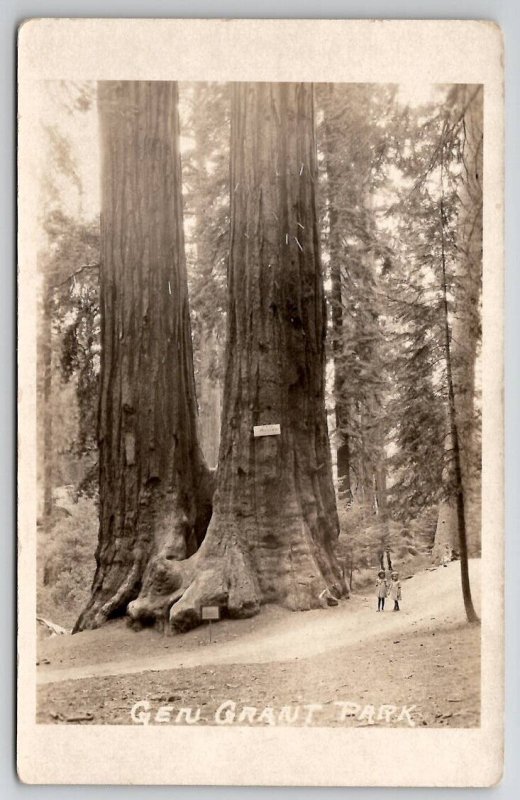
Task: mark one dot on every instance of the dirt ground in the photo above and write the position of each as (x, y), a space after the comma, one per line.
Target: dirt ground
(420, 669)
(349, 662)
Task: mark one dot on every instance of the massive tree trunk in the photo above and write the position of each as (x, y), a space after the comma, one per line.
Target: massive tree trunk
(274, 527)
(155, 493)
(466, 333)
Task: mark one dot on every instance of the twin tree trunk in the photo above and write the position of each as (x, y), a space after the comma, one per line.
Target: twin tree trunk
(155, 492)
(274, 526)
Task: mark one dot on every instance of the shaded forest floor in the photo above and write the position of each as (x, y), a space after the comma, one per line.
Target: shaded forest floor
(424, 656)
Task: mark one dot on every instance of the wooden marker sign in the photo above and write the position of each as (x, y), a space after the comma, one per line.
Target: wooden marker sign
(266, 430)
(210, 613)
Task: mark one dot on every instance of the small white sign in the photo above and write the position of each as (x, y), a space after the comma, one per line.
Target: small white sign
(266, 430)
(210, 612)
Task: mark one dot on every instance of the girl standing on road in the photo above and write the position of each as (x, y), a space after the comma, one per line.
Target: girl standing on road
(381, 590)
(395, 590)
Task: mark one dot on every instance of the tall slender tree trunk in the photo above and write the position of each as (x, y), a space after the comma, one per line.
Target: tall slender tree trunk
(466, 325)
(456, 467)
(274, 527)
(210, 399)
(466, 331)
(155, 492)
(340, 400)
(372, 421)
(336, 232)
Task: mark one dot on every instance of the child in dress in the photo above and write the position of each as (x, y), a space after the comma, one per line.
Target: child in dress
(381, 590)
(395, 590)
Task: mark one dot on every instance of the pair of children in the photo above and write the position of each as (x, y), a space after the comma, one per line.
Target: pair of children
(385, 588)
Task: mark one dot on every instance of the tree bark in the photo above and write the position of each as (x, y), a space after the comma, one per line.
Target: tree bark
(155, 489)
(274, 527)
(466, 325)
(337, 229)
(210, 398)
(456, 466)
(466, 332)
(340, 401)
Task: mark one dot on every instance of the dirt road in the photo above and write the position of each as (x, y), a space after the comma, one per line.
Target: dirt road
(431, 600)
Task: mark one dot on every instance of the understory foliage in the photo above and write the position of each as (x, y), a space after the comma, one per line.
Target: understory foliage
(66, 560)
(75, 298)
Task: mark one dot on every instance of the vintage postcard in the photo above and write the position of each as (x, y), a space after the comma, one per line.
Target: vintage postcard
(260, 402)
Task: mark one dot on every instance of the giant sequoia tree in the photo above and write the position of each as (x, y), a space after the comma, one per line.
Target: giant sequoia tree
(274, 526)
(154, 486)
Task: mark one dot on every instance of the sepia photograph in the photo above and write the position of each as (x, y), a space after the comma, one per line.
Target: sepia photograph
(258, 397)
